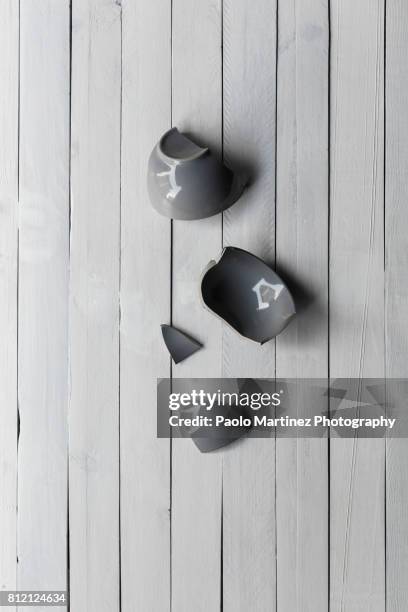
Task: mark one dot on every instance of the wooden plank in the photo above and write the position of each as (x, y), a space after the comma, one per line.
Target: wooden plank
(249, 144)
(396, 294)
(94, 306)
(302, 252)
(43, 294)
(145, 304)
(196, 484)
(9, 43)
(357, 296)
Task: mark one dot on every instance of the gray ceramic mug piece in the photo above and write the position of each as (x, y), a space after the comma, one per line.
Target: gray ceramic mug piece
(179, 344)
(245, 292)
(188, 182)
(209, 439)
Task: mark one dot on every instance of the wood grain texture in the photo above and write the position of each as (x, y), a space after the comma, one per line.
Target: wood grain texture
(302, 250)
(357, 296)
(155, 525)
(94, 306)
(145, 304)
(9, 51)
(396, 219)
(249, 145)
(43, 294)
(197, 478)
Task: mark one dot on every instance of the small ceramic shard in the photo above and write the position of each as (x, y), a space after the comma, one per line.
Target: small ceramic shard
(245, 292)
(179, 345)
(210, 421)
(209, 444)
(211, 439)
(187, 182)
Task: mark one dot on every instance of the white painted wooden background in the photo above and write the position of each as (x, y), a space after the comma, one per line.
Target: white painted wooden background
(311, 96)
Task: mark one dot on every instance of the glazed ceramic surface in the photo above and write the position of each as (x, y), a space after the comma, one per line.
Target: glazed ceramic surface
(208, 440)
(245, 292)
(179, 344)
(188, 182)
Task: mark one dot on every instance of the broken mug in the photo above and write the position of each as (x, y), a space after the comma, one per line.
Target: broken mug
(244, 291)
(188, 182)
